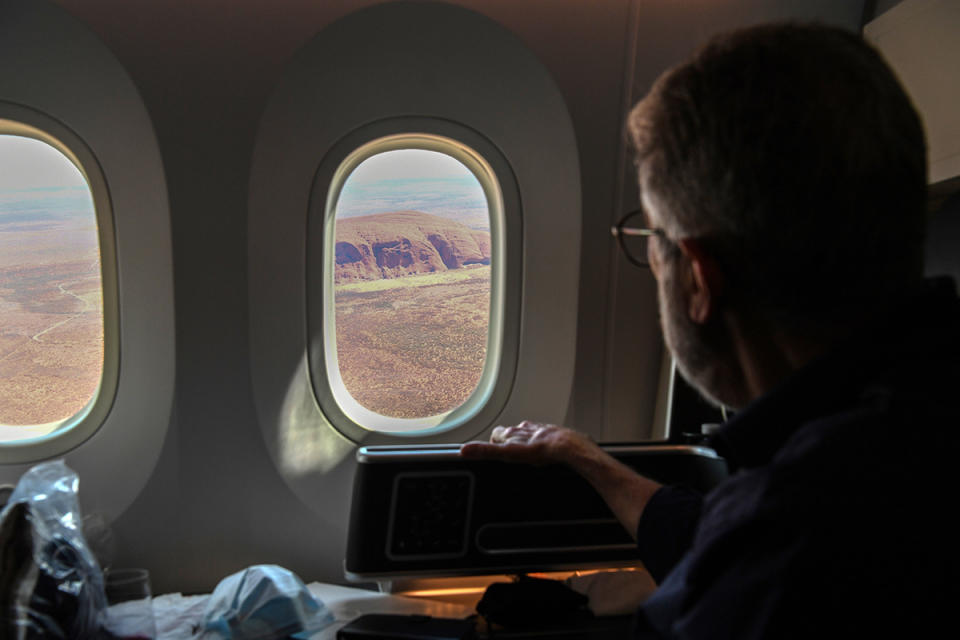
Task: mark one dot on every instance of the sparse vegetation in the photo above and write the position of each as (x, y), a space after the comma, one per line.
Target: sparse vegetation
(415, 346)
(51, 319)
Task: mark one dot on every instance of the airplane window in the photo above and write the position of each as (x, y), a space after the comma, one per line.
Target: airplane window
(412, 283)
(51, 292)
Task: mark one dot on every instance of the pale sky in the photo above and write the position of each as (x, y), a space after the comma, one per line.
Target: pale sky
(26, 163)
(408, 163)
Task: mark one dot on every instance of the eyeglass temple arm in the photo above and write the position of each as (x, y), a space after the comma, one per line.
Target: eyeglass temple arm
(632, 231)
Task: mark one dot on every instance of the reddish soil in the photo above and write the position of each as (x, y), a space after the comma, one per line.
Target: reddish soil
(414, 351)
(51, 321)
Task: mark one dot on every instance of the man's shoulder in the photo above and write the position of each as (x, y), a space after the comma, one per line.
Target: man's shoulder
(849, 513)
(888, 449)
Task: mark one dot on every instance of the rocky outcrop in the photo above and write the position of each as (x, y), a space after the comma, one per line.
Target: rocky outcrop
(393, 245)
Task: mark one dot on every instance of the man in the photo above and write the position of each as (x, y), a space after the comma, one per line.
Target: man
(783, 173)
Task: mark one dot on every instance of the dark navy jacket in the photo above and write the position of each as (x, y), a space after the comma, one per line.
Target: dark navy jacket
(839, 517)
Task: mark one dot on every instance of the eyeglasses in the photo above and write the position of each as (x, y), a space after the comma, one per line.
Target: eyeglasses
(633, 240)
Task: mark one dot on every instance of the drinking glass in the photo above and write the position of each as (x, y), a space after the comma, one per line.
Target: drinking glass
(130, 611)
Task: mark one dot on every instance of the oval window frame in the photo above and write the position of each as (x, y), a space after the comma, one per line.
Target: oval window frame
(72, 431)
(500, 188)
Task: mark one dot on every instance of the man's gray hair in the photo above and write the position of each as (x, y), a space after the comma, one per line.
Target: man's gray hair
(793, 153)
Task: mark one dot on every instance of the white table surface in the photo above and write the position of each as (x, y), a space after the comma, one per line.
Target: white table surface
(178, 616)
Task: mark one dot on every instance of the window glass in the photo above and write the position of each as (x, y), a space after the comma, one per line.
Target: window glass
(412, 288)
(51, 297)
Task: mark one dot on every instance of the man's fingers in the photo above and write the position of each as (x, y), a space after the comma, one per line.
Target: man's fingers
(522, 432)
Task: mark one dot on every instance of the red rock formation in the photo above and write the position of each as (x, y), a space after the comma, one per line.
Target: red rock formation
(393, 245)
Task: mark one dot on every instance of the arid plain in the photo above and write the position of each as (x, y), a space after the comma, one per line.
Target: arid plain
(51, 316)
(414, 346)
(409, 346)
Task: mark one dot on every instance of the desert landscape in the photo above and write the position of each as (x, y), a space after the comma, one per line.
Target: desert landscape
(51, 309)
(412, 311)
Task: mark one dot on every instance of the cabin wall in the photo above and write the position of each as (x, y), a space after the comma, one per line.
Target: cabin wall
(215, 502)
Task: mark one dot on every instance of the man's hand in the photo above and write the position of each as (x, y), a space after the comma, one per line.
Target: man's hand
(625, 491)
(533, 443)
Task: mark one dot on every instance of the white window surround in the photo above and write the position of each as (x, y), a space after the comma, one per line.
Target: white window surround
(45, 439)
(420, 75)
(51, 65)
(352, 410)
(509, 235)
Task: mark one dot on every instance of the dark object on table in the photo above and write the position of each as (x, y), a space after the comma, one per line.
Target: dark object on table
(532, 602)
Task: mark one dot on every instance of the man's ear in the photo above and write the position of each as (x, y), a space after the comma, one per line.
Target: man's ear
(706, 281)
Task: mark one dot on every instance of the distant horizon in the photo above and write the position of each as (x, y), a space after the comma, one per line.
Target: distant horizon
(43, 204)
(456, 198)
(76, 187)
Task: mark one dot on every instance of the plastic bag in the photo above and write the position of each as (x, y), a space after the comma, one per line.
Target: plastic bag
(50, 583)
(263, 602)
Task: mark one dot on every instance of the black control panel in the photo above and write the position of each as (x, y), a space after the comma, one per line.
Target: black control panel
(423, 510)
